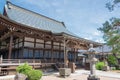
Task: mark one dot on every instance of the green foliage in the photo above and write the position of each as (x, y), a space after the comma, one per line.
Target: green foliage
(112, 34)
(112, 4)
(24, 69)
(34, 75)
(100, 65)
(27, 70)
(112, 60)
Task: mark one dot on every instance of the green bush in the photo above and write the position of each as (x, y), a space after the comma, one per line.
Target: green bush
(34, 75)
(100, 65)
(24, 69)
(118, 67)
(113, 68)
(112, 61)
(29, 72)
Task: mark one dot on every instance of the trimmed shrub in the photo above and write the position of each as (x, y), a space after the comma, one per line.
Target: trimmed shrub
(29, 72)
(34, 75)
(100, 65)
(24, 69)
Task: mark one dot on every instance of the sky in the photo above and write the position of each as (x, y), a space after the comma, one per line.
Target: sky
(82, 17)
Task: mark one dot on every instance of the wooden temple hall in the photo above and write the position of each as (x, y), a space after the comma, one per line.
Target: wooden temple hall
(28, 35)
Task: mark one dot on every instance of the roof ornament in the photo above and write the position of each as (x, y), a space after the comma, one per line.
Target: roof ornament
(63, 24)
(7, 2)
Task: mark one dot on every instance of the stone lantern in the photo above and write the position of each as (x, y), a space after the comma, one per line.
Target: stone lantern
(92, 61)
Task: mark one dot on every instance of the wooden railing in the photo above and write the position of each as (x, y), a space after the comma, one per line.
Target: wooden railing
(11, 64)
(28, 61)
(16, 62)
(21, 61)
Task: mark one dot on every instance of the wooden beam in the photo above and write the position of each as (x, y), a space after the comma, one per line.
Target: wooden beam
(18, 34)
(5, 36)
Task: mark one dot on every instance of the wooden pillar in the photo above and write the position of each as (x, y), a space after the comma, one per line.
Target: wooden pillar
(16, 54)
(34, 48)
(51, 51)
(59, 51)
(0, 44)
(74, 55)
(22, 47)
(65, 55)
(44, 50)
(70, 56)
(10, 46)
(18, 48)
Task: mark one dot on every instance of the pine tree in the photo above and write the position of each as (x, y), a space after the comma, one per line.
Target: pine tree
(111, 31)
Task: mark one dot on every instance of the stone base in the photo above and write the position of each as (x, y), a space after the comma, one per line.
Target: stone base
(20, 76)
(106, 68)
(93, 78)
(64, 72)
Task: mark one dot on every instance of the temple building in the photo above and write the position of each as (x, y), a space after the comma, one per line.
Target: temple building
(25, 34)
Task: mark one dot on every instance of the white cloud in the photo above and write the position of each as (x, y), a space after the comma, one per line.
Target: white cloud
(59, 11)
(56, 3)
(97, 33)
(100, 40)
(66, 1)
(99, 18)
(89, 38)
(39, 3)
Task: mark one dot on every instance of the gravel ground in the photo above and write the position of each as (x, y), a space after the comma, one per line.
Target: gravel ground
(78, 77)
(82, 75)
(9, 77)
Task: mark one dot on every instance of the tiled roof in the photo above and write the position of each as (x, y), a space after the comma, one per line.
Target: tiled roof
(33, 19)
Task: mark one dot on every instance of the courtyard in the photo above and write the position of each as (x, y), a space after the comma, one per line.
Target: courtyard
(79, 74)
